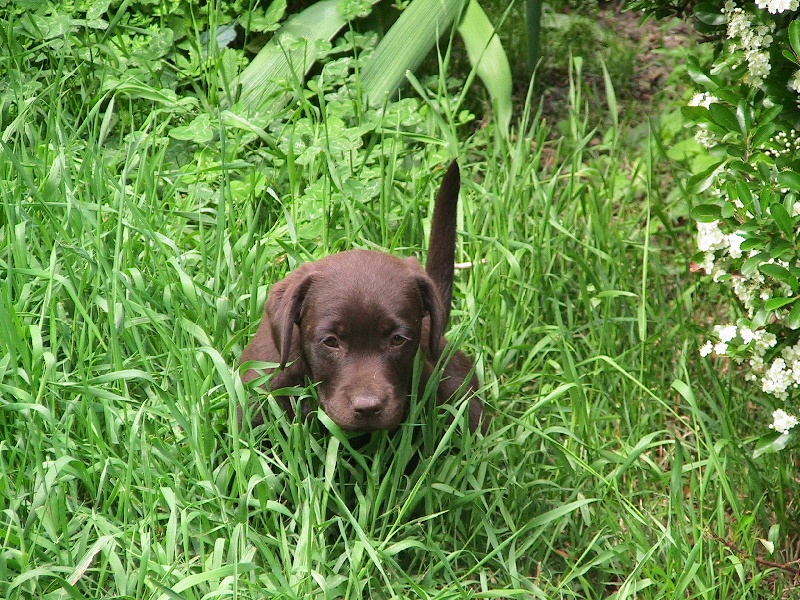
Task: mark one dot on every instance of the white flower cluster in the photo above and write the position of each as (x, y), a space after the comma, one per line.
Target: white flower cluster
(777, 377)
(776, 7)
(782, 421)
(783, 143)
(779, 374)
(718, 248)
(759, 341)
(703, 136)
(753, 39)
(794, 82)
(711, 239)
(703, 99)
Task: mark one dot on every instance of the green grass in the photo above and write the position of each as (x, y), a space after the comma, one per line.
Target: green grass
(134, 267)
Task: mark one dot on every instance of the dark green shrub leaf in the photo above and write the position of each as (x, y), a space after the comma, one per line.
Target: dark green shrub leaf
(776, 272)
(743, 117)
(751, 243)
(701, 181)
(728, 210)
(699, 76)
(789, 179)
(734, 150)
(723, 116)
(794, 36)
(776, 303)
(743, 192)
(770, 114)
(728, 96)
(695, 113)
(790, 56)
(742, 167)
(762, 135)
(782, 218)
(709, 14)
(793, 320)
(781, 249)
(751, 264)
(771, 443)
(706, 213)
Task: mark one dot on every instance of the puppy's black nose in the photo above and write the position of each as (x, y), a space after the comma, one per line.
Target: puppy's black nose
(367, 406)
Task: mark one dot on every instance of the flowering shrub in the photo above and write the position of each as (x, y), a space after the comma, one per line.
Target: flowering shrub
(746, 115)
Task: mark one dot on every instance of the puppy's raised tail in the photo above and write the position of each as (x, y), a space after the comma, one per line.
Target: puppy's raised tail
(442, 249)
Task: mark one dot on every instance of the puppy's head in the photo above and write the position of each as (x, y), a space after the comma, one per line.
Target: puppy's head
(357, 319)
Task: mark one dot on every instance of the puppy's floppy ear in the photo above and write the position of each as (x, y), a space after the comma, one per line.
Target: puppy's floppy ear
(284, 306)
(435, 309)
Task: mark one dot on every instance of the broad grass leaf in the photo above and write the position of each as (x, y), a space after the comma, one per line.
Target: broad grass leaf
(562, 511)
(405, 45)
(287, 58)
(487, 56)
(100, 544)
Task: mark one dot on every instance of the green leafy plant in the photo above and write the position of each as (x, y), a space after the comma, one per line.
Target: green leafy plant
(305, 38)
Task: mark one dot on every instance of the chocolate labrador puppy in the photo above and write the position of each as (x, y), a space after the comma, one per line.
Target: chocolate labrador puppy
(353, 322)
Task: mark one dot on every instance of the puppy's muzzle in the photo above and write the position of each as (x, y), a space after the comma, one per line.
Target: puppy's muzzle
(368, 406)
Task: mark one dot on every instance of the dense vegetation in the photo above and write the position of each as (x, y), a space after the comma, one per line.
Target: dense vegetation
(146, 211)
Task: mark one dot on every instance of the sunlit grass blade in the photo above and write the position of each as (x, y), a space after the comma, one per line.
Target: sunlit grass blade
(489, 59)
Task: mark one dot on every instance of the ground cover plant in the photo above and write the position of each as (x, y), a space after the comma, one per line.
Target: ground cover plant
(143, 221)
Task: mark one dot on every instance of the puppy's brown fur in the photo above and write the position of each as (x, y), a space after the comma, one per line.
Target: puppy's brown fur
(353, 322)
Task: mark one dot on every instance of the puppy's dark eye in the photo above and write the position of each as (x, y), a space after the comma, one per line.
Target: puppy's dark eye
(398, 340)
(331, 342)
